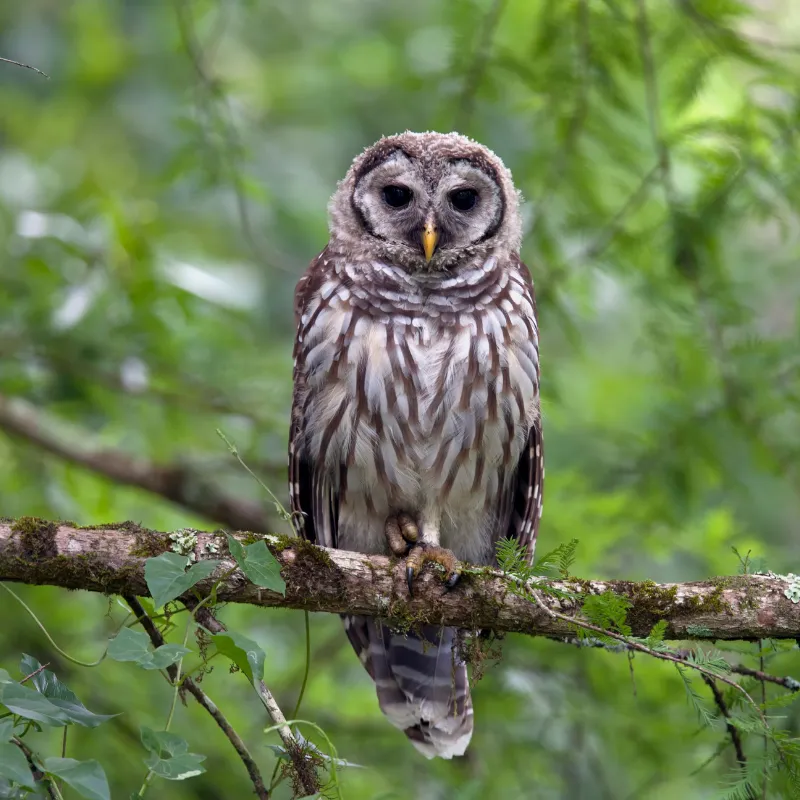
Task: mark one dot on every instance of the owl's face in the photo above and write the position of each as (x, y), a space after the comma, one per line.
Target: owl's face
(426, 202)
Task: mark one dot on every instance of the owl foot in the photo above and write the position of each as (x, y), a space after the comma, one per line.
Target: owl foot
(440, 555)
(402, 534)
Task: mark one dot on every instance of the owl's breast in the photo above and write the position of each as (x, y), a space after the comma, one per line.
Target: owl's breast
(429, 402)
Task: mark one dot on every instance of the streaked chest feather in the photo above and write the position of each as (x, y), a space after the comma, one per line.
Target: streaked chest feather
(417, 392)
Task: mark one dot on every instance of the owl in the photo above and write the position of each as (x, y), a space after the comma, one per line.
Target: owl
(415, 426)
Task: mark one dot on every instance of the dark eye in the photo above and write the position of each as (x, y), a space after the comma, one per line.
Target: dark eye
(397, 196)
(463, 199)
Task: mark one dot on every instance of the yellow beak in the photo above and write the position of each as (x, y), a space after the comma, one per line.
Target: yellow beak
(430, 236)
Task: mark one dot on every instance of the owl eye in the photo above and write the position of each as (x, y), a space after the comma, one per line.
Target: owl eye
(463, 199)
(397, 196)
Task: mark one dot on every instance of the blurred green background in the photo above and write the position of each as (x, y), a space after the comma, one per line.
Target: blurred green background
(162, 192)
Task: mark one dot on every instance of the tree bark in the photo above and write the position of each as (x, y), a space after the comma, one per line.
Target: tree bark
(110, 559)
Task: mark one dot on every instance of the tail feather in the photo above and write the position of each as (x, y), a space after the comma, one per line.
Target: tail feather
(421, 682)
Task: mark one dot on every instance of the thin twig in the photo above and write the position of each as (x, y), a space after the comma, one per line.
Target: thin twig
(35, 672)
(645, 649)
(26, 66)
(52, 788)
(786, 681)
(733, 731)
(307, 777)
(203, 699)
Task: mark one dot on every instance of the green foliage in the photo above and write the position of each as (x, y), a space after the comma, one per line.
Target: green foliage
(130, 645)
(608, 611)
(655, 639)
(260, 566)
(244, 652)
(59, 695)
(85, 777)
(559, 560)
(167, 577)
(14, 766)
(169, 757)
(49, 704)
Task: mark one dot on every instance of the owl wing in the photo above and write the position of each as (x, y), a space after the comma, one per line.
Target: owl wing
(528, 482)
(314, 504)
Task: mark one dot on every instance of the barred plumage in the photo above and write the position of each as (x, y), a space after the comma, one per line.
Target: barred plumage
(417, 390)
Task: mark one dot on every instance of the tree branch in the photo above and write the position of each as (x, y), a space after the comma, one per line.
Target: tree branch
(204, 700)
(304, 770)
(177, 483)
(111, 559)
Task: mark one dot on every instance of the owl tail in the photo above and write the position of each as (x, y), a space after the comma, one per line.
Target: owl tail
(421, 683)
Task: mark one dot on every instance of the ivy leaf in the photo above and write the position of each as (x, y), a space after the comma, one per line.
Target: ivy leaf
(85, 777)
(165, 655)
(260, 566)
(6, 729)
(167, 577)
(30, 704)
(244, 652)
(169, 757)
(48, 684)
(14, 765)
(130, 645)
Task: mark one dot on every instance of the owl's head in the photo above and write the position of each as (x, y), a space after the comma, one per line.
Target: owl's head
(426, 201)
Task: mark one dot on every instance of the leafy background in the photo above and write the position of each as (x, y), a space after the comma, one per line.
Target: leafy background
(161, 193)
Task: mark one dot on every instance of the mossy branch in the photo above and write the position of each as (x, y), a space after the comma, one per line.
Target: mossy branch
(110, 558)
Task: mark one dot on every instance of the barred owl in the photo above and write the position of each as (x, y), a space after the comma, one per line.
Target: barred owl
(415, 424)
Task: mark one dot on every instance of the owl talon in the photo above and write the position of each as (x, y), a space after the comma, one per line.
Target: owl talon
(421, 553)
(452, 580)
(410, 580)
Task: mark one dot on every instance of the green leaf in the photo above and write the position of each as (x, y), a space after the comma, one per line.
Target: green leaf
(608, 610)
(176, 769)
(30, 704)
(258, 564)
(163, 743)
(6, 729)
(85, 777)
(60, 695)
(165, 655)
(130, 645)
(244, 652)
(14, 765)
(167, 577)
(236, 549)
(169, 757)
